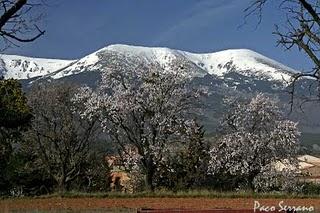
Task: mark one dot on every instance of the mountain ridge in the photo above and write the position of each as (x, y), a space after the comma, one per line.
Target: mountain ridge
(23, 67)
(245, 61)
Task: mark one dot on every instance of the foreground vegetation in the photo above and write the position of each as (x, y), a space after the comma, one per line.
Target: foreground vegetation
(309, 191)
(51, 138)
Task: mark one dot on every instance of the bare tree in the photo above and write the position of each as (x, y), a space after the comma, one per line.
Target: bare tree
(59, 138)
(18, 21)
(301, 30)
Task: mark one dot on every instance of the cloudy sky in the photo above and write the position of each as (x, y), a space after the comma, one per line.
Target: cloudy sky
(78, 27)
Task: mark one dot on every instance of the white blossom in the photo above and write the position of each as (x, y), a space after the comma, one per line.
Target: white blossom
(142, 105)
(254, 135)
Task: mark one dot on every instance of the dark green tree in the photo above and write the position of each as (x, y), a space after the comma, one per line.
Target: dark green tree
(187, 167)
(15, 116)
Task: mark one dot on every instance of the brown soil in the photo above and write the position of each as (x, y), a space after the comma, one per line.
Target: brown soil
(135, 203)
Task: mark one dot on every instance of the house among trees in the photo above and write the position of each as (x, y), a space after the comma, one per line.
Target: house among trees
(310, 168)
(118, 177)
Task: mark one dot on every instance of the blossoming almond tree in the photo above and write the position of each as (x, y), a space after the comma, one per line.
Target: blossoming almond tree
(255, 135)
(143, 105)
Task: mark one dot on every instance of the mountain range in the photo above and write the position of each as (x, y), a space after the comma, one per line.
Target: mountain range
(239, 72)
(244, 61)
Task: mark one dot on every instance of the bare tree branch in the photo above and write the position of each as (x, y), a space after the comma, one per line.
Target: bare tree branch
(302, 30)
(17, 21)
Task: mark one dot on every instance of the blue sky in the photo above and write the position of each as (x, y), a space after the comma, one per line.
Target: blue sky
(76, 28)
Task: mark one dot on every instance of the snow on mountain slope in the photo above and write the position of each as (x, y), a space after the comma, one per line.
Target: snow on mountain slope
(87, 63)
(162, 55)
(217, 63)
(20, 67)
(243, 61)
(95, 61)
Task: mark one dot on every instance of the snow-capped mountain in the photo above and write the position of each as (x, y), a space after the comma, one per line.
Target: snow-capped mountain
(20, 67)
(242, 61)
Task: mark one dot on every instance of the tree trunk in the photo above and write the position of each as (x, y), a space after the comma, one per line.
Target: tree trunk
(251, 178)
(62, 185)
(150, 170)
(149, 179)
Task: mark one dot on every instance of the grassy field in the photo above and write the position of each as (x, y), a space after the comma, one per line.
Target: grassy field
(183, 194)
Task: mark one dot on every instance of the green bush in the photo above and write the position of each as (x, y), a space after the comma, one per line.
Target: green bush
(311, 189)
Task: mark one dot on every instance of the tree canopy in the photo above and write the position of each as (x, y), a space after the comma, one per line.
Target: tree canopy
(144, 106)
(255, 135)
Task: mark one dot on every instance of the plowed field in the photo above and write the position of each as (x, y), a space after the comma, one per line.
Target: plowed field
(130, 204)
